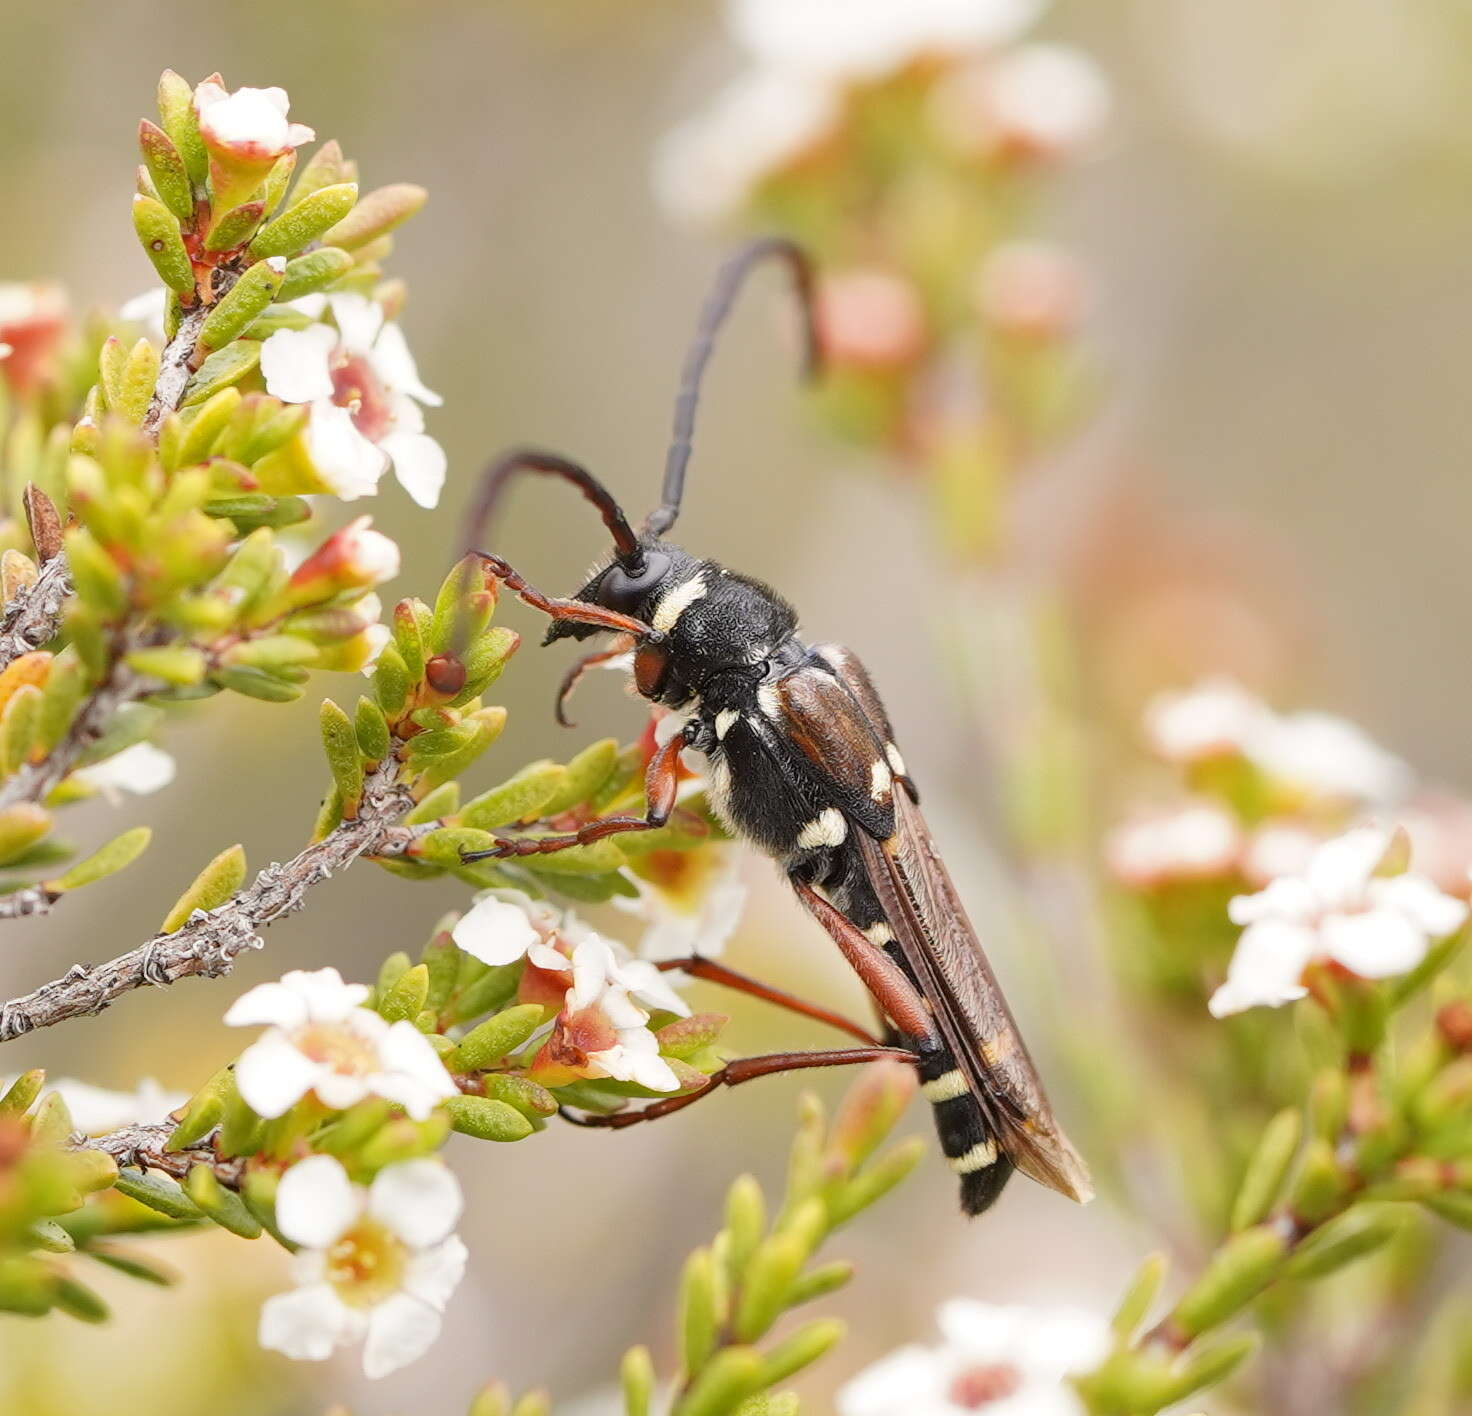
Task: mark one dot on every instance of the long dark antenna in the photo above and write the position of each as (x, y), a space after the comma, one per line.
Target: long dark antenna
(717, 306)
(526, 459)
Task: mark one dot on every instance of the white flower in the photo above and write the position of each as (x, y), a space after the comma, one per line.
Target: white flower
(1197, 840)
(1325, 756)
(376, 1265)
(141, 770)
(623, 991)
(148, 310)
(1048, 99)
(706, 167)
(1215, 717)
(1279, 848)
(690, 901)
(365, 393)
(320, 1040)
(96, 1109)
(1339, 910)
(503, 926)
(864, 39)
(249, 124)
(1010, 1361)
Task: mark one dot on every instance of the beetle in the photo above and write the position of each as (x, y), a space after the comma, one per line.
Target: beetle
(801, 761)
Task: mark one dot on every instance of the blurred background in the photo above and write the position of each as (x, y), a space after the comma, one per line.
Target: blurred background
(1278, 228)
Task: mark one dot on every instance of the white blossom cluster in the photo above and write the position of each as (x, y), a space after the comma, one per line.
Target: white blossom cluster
(1042, 99)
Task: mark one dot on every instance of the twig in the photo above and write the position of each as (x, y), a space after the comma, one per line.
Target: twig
(31, 618)
(175, 368)
(210, 941)
(33, 900)
(146, 1148)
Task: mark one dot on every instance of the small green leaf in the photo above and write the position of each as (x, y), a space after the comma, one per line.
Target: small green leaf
(405, 1000)
(316, 270)
(802, 1349)
(374, 740)
(340, 742)
(487, 1119)
(732, 1375)
(166, 167)
(1139, 1297)
(118, 854)
(180, 664)
(485, 1045)
(215, 884)
(303, 222)
(702, 1310)
(636, 1377)
(377, 213)
(158, 1194)
(1266, 1171)
(158, 234)
(1239, 1270)
(242, 303)
(224, 368)
(181, 123)
(223, 1206)
(21, 826)
(234, 227)
(585, 774)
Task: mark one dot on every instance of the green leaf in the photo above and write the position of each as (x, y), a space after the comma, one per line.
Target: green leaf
(732, 1375)
(532, 1100)
(702, 1310)
(21, 826)
(374, 741)
(222, 369)
(118, 854)
(303, 222)
(1343, 1239)
(1139, 1297)
(487, 1119)
(80, 1301)
(158, 234)
(769, 1276)
(223, 1206)
(166, 168)
(22, 1092)
(180, 664)
(242, 303)
(802, 1349)
(585, 774)
(181, 123)
(405, 1000)
(256, 683)
(158, 1194)
(1268, 1169)
(1239, 1270)
(636, 1377)
(485, 1045)
(377, 213)
(340, 741)
(316, 270)
(215, 884)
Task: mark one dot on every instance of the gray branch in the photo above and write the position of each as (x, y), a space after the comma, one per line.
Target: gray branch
(146, 1148)
(31, 618)
(175, 367)
(33, 900)
(209, 943)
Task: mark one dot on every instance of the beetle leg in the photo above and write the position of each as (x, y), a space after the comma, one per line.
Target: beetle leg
(579, 611)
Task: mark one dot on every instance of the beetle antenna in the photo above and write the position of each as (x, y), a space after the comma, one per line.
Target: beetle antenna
(718, 304)
(493, 483)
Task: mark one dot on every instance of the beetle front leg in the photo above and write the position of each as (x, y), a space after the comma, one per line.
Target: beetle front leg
(555, 608)
(661, 784)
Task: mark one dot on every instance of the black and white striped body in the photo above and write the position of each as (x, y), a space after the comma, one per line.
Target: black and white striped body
(770, 783)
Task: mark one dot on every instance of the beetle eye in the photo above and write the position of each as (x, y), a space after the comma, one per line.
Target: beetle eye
(622, 589)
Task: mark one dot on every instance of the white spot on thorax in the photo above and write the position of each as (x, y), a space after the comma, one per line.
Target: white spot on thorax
(880, 934)
(896, 762)
(828, 828)
(770, 702)
(676, 600)
(726, 720)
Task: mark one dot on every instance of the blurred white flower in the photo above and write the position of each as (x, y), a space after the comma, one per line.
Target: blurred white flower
(1338, 911)
(1213, 718)
(1033, 289)
(376, 1264)
(1197, 840)
(1325, 756)
(321, 1040)
(1279, 848)
(97, 1109)
(870, 317)
(250, 124)
(866, 39)
(141, 770)
(365, 392)
(148, 310)
(708, 165)
(33, 318)
(1047, 99)
(690, 901)
(1005, 1361)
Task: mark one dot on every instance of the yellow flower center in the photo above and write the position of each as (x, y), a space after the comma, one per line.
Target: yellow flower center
(339, 1048)
(367, 1264)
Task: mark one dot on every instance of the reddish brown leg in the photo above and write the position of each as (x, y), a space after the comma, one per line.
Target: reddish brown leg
(744, 1069)
(579, 610)
(571, 679)
(661, 781)
(713, 972)
(880, 974)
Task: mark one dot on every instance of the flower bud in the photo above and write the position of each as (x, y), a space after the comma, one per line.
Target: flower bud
(354, 558)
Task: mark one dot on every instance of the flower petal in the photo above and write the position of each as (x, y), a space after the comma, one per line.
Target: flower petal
(316, 1203)
(1374, 943)
(432, 1275)
(419, 463)
(348, 462)
(400, 1330)
(1340, 870)
(296, 364)
(268, 1003)
(328, 998)
(1421, 902)
(1266, 967)
(308, 1323)
(272, 1075)
(358, 320)
(395, 365)
(495, 931)
(419, 1200)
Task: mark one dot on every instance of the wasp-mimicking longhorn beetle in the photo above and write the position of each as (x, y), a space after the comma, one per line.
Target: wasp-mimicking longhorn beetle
(802, 762)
